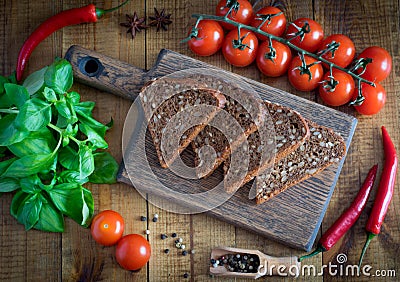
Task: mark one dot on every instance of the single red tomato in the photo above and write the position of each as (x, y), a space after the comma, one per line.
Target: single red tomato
(339, 94)
(238, 53)
(344, 54)
(380, 66)
(133, 252)
(243, 15)
(300, 78)
(107, 227)
(311, 40)
(276, 25)
(276, 63)
(375, 99)
(209, 38)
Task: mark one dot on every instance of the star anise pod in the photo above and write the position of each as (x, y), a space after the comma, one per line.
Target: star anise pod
(134, 24)
(160, 19)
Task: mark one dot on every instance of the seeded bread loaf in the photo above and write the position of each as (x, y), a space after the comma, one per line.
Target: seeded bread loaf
(322, 149)
(211, 136)
(291, 130)
(160, 107)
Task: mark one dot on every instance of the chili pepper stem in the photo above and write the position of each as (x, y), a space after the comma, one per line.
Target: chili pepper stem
(367, 242)
(101, 12)
(318, 250)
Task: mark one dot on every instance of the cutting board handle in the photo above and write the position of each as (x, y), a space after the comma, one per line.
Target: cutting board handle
(106, 73)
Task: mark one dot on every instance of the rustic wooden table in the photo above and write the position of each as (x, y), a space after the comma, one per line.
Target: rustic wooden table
(74, 256)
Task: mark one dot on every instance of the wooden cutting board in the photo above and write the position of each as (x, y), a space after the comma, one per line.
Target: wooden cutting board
(293, 217)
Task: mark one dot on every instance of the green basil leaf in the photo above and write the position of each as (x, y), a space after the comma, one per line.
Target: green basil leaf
(8, 185)
(58, 76)
(37, 142)
(84, 108)
(106, 169)
(86, 161)
(34, 82)
(97, 141)
(28, 212)
(17, 94)
(17, 202)
(28, 165)
(4, 165)
(62, 108)
(10, 134)
(71, 176)
(50, 95)
(50, 218)
(31, 184)
(34, 115)
(48, 170)
(88, 209)
(3, 80)
(73, 97)
(62, 122)
(69, 199)
(69, 158)
(13, 78)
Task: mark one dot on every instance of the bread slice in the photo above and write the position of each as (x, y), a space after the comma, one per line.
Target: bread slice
(169, 106)
(291, 130)
(211, 136)
(322, 149)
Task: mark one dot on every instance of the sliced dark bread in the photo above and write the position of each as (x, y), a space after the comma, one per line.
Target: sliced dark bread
(211, 136)
(322, 149)
(291, 130)
(169, 106)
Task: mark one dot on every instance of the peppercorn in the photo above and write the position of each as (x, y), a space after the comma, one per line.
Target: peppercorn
(164, 236)
(174, 235)
(184, 253)
(155, 219)
(185, 275)
(143, 218)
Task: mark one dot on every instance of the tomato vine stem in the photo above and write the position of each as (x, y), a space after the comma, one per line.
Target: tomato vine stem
(351, 71)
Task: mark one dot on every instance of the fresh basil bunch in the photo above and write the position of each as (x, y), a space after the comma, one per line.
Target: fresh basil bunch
(50, 145)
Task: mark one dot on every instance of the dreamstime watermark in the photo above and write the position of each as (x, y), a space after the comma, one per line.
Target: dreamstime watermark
(332, 269)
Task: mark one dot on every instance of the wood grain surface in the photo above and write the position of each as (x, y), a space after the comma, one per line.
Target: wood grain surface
(74, 256)
(292, 218)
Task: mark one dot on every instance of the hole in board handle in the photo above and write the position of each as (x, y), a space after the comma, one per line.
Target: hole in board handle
(90, 66)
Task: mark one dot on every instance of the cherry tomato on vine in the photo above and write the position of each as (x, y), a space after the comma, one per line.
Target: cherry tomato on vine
(107, 227)
(381, 64)
(344, 54)
(375, 99)
(299, 77)
(274, 63)
(339, 94)
(133, 252)
(243, 15)
(311, 40)
(275, 26)
(242, 51)
(209, 38)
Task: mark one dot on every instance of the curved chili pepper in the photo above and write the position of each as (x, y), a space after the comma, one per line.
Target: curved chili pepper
(384, 193)
(73, 16)
(348, 218)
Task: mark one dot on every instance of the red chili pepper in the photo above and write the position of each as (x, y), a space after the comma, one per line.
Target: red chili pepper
(384, 193)
(348, 218)
(74, 16)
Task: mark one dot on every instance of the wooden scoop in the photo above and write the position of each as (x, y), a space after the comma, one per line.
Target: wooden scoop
(281, 266)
